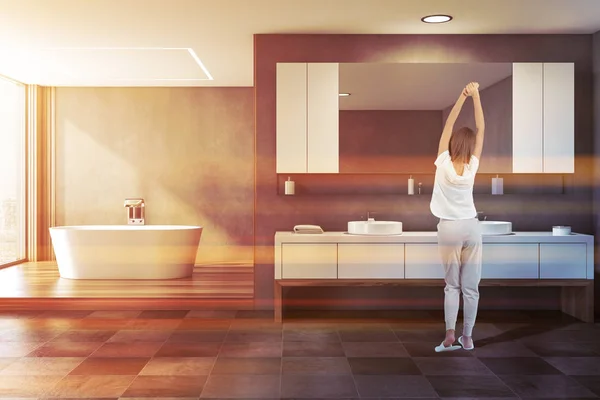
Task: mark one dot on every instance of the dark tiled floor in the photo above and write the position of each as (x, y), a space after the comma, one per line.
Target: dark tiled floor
(245, 355)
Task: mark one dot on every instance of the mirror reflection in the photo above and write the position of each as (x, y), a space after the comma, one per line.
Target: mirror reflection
(392, 119)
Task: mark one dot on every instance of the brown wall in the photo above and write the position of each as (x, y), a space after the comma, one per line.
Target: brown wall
(383, 141)
(496, 101)
(187, 151)
(275, 212)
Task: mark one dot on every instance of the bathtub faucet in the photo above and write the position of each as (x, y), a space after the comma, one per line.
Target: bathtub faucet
(135, 211)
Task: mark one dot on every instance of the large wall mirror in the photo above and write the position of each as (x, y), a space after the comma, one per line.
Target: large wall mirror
(393, 118)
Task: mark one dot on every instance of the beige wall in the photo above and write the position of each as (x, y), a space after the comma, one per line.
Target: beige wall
(189, 152)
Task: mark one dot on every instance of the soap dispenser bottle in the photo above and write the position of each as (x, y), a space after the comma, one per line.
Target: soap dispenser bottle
(411, 186)
(289, 187)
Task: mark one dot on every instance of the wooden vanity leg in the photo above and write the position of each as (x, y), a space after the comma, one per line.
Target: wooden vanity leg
(578, 301)
(277, 300)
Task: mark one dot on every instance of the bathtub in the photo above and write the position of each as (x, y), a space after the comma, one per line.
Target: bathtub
(125, 251)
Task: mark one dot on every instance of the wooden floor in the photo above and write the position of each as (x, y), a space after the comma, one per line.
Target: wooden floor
(41, 282)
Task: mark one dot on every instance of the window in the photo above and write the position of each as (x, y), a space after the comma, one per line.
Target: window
(12, 171)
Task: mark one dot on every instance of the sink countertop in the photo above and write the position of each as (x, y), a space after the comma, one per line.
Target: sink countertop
(426, 237)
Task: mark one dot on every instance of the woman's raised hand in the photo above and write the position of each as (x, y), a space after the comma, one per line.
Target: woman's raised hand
(471, 89)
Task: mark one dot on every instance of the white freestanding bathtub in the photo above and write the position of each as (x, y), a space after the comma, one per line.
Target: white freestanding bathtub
(125, 251)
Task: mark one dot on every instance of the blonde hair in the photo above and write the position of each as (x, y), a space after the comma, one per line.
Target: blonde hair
(462, 144)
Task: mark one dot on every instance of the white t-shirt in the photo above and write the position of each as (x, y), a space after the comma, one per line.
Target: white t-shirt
(452, 193)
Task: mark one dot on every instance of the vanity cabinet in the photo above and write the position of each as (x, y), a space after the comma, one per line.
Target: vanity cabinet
(307, 118)
(563, 261)
(510, 261)
(309, 261)
(370, 261)
(543, 118)
(423, 261)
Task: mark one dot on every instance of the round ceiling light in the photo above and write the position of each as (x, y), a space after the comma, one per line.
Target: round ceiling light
(436, 19)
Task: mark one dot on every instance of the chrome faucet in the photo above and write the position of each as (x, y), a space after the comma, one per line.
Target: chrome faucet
(135, 211)
(484, 216)
(369, 218)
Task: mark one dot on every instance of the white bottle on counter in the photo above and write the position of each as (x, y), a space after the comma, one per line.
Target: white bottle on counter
(497, 185)
(411, 185)
(289, 187)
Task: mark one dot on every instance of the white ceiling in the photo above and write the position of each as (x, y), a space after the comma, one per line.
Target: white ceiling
(412, 86)
(153, 42)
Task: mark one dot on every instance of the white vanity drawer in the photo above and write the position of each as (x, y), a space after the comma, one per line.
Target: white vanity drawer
(423, 261)
(309, 261)
(371, 261)
(563, 261)
(510, 261)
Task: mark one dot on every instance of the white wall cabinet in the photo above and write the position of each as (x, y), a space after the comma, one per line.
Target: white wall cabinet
(563, 261)
(543, 118)
(559, 118)
(309, 261)
(370, 261)
(307, 118)
(510, 261)
(423, 262)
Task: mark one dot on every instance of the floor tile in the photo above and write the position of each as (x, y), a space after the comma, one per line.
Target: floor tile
(212, 314)
(84, 336)
(423, 335)
(384, 350)
(179, 366)
(393, 386)
(64, 314)
(311, 335)
(520, 366)
(65, 349)
(208, 349)
(91, 386)
(163, 314)
(201, 324)
(310, 349)
(128, 350)
(316, 366)
(252, 350)
(17, 349)
(166, 386)
(247, 366)
(562, 349)
(254, 335)
(591, 382)
(576, 365)
(383, 366)
(59, 366)
(503, 349)
(26, 386)
(114, 314)
(368, 336)
(557, 386)
(100, 324)
(154, 324)
(451, 366)
(131, 336)
(242, 386)
(428, 350)
(255, 314)
(307, 386)
(198, 336)
(470, 386)
(29, 335)
(5, 362)
(110, 366)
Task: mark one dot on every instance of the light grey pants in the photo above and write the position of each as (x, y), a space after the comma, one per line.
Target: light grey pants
(460, 245)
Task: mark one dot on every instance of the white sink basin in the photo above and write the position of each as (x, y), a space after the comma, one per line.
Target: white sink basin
(375, 228)
(496, 227)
